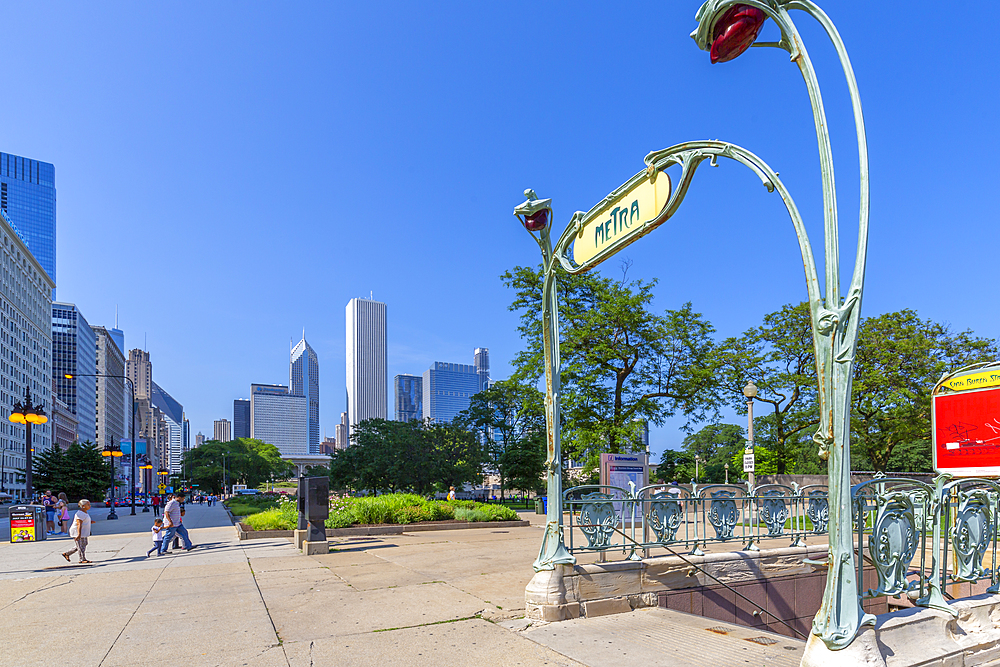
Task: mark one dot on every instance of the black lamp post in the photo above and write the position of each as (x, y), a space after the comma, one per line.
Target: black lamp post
(146, 465)
(112, 452)
(27, 414)
(131, 386)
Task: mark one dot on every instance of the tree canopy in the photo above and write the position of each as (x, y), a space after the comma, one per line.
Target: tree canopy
(80, 471)
(247, 461)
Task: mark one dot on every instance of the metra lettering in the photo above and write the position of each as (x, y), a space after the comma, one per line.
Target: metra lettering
(622, 217)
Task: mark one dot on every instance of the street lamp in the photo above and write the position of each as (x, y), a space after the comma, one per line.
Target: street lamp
(750, 391)
(131, 386)
(27, 414)
(727, 472)
(697, 460)
(113, 452)
(146, 465)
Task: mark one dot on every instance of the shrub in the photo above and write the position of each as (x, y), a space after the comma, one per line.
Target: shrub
(465, 514)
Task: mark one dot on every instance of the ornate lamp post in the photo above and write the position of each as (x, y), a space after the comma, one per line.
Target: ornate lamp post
(727, 472)
(112, 452)
(750, 391)
(146, 465)
(26, 413)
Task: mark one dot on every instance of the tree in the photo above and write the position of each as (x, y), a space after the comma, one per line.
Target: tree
(420, 457)
(621, 363)
(524, 462)
(714, 445)
(80, 471)
(779, 358)
(247, 461)
(898, 361)
(505, 416)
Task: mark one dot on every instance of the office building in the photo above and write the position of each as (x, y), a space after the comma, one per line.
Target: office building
(139, 370)
(482, 364)
(28, 197)
(25, 350)
(447, 389)
(74, 352)
(63, 425)
(223, 430)
(367, 377)
(199, 439)
(114, 398)
(343, 432)
(171, 412)
(409, 391)
(303, 380)
(150, 426)
(241, 418)
(279, 418)
(186, 435)
(328, 446)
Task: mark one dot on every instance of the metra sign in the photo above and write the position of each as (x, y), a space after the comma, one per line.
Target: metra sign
(619, 219)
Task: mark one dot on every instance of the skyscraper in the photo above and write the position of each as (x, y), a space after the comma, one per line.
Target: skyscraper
(303, 380)
(447, 389)
(223, 431)
(199, 439)
(482, 364)
(28, 197)
(279, 418)
(367, 377)
(343, 432)
(172, 413)
(241, 418)
(112, 393)
(26, 351)
(408, 390)
(74, 352)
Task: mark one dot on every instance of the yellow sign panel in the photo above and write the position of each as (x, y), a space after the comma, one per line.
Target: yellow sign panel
(974, 381)
(619, 219)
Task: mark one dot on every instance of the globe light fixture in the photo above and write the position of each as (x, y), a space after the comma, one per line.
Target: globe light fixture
(750, 391)
(735, 31)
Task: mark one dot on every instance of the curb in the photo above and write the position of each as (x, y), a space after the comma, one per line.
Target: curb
(387, 529)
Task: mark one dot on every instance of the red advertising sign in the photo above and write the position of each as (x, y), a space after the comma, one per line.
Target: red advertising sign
(965, 428)
(22, 525)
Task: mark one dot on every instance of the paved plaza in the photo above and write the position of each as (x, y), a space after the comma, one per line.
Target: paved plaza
(430, 598)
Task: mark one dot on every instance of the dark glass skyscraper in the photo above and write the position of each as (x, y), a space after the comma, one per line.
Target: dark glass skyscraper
(28, 197)
(241, 418)
(408, 390)
(303, 380)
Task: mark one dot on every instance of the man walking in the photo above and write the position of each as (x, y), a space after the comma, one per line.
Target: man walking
(80, 532)
(172, 524)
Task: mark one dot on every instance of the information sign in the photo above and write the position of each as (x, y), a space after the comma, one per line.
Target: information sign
(620, 469)
(748, 461)
(965, 430)
(22, 525)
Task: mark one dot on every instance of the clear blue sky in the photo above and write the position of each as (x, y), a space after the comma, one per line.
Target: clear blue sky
(229, 173)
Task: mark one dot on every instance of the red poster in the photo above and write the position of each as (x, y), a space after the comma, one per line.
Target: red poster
(966, 433)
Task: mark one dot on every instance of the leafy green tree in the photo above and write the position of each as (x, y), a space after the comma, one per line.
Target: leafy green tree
(779, 358)
(622, 364)
(247, 461)
(714, 445)
(505, 416)
(524, 462)
(898, 361)
(766, 462)
(80, 471)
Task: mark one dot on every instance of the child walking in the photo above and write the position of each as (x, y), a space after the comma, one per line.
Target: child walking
(157, 531)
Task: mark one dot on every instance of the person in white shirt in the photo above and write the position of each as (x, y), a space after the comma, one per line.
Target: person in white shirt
(80, 531)
(157, 531)
(172, 525)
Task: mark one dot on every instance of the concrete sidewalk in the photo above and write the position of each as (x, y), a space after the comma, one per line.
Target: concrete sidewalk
(431, 598)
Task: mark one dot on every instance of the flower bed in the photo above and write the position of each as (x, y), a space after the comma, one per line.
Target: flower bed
(394, 508)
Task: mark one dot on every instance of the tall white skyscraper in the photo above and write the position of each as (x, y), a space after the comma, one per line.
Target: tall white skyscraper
(367, 374)
(303, 380)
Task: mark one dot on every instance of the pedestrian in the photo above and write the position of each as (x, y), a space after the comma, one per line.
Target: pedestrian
(62, 508)
(172, 523)
(80, 532)
(49, 502)
(156, 505)
(157, 531)
(451, 493)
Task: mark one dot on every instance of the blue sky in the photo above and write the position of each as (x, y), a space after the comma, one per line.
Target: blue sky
(231, 173)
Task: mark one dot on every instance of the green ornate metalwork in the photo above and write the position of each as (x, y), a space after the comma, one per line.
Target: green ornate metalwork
(664, 516)
(835, 317)
(893, 542)
(773, 511)
(598, 519)
(723, 514)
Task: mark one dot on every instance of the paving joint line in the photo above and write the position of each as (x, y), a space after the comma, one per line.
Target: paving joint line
(134, 612)
(253, 575)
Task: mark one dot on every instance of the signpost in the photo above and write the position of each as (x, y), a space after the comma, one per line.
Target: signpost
(965, 422)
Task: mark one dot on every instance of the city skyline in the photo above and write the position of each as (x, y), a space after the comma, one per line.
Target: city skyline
(222, 160)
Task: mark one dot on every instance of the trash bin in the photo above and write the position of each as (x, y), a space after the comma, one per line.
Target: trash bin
(27, 523)
(541, 505)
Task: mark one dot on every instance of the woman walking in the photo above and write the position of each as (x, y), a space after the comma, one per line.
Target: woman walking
(80, 532)
(62, 508)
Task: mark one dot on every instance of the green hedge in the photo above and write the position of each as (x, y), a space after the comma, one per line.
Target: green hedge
(399, 508)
